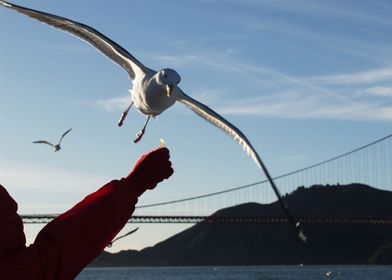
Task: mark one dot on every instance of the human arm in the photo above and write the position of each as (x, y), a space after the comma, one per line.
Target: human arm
(75, 238)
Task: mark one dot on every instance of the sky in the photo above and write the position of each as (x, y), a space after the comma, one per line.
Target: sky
(303, 80)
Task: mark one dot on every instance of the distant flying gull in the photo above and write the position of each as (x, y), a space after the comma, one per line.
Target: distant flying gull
(57, 146)
(152, 92)
(122, 236)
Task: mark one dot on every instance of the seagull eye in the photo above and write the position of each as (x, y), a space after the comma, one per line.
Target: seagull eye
(165, 75)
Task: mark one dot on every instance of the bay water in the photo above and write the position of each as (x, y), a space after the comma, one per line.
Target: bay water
(240, 273)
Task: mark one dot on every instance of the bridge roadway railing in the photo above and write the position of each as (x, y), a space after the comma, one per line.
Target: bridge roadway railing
(43, 219)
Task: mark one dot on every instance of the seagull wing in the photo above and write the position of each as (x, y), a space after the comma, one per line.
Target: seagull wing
(44, 142)
(128, 233)
(65, 133)
(217, 120)
(105, 45)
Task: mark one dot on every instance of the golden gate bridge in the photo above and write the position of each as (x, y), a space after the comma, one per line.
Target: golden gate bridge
(370, 164)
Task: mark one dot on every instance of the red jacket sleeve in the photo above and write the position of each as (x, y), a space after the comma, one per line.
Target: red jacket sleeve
(72, 240)
(75, 238)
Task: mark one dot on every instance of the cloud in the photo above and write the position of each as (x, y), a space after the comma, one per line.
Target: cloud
(176, 60)
(364, 77)
(298, 98)
(379, 91)
(113, 105)
(207, 95)
(29, 176)
(45, 187)
(299, 105)
(332, 96)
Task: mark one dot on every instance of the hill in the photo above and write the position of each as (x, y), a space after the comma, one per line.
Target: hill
(271, 244)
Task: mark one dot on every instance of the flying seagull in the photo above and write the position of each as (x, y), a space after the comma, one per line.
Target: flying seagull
(153, 91)
(122, 236)
(57, 146)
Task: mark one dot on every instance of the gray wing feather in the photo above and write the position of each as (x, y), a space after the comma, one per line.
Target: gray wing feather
(65, 133)
(43, 142)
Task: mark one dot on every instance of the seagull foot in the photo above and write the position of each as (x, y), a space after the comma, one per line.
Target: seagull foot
(124, 115)
(121, 121)
(139, 136)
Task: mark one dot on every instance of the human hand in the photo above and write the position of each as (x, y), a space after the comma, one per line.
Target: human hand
(151, 169)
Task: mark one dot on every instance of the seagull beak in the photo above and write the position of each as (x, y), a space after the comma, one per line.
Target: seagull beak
(169, 89)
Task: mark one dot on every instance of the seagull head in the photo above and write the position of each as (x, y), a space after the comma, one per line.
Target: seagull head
(168, 78)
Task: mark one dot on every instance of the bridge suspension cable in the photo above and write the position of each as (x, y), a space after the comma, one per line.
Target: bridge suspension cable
(265, 181)
(370, 164)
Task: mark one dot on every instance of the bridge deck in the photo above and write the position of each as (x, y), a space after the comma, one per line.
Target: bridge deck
(43, 219)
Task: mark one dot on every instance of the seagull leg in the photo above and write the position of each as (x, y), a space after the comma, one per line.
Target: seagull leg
(141, 132)
(124, 115)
